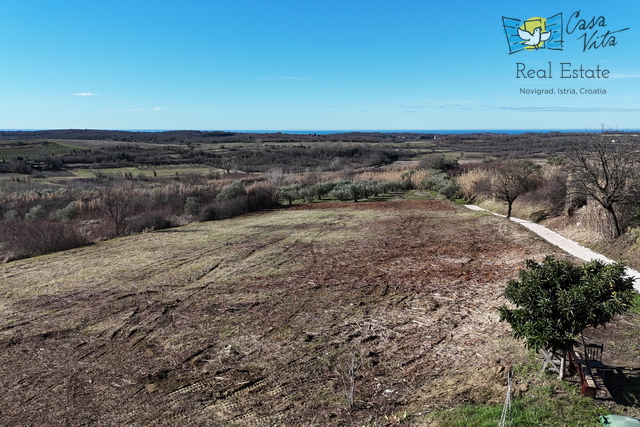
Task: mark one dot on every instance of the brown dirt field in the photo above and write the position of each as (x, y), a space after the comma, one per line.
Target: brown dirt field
(621, 359)
(256, 321)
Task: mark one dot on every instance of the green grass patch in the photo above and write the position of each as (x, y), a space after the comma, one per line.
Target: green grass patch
(11, 150)
(553, 404)
(148, 172)
(636, 305)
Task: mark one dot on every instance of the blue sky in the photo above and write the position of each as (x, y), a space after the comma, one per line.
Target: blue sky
(302, 65)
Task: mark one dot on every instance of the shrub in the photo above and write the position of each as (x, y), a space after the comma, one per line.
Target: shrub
(322, 189)
(148, 222)
(442, 183)
(367, 188)
(552, 194)
(221, 209)
(290, 193)
(390, 186)
(556, 300)
(192, 207)
(36, 213)
(231, 191)
(12, 214)
(308, 194)
(437, 162)
(261, 195)
(119, 203)
(38, 237)
(342, 192)
(67, 213)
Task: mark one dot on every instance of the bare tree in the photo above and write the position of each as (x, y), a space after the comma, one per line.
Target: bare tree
(118, 203)
(604, 167)
(514, 178)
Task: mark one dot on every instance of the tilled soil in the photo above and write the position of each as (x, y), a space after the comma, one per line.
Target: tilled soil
(321, 315)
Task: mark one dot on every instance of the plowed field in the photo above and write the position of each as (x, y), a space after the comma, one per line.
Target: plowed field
(329, 314)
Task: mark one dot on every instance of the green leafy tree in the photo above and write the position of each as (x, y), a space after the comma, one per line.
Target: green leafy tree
(342, 192)
(67, 213)
(231, 191)
(442, 183)
(322, 189)
(290, 193)
(36, 213)
(556, 300)
(192, 206)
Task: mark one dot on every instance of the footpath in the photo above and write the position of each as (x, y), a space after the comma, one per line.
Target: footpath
(565, 244)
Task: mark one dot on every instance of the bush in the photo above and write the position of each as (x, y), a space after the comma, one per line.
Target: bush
(555, 300)
(36, 213)
(322, 189)
(148, 222)
(192, 207)
(367, 188)
(261, 195)
(289, 193)
(437, 162)
(12, 214)
(222, 209)
(342, 192)
(231, 191)
(390, 186)
(308, 194)
(442, 183)
(67, 213)
(38, 237)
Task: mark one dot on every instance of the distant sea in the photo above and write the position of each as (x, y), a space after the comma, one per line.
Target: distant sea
(328, 132)
(438, 131)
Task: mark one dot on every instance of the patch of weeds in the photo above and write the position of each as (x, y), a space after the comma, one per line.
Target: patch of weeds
(419, 195)
(548, 403)
(468, 415)
(636, 305)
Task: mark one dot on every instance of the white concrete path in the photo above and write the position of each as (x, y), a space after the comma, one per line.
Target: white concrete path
(565, 244)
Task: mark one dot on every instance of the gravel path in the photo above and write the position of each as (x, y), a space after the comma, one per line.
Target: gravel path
(565, 244)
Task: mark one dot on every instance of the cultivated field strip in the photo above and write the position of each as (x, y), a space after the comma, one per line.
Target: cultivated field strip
(263, 320)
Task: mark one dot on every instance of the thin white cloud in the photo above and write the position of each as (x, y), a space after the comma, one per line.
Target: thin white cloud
(571, 109)
(85, 94)
(136, 110)
(286, 78)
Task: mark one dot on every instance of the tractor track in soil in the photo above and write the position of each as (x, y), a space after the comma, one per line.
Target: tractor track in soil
(255, 321)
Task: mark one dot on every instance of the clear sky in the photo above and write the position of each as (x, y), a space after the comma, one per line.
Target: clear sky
(308, 65)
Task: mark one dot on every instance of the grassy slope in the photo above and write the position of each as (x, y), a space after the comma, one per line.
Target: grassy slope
(256, 320)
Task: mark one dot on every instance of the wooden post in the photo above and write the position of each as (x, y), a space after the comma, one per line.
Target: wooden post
(562, 363)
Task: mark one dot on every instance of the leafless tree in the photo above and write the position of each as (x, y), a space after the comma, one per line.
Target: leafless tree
(118, 203)
(514, 178)
(604, 167)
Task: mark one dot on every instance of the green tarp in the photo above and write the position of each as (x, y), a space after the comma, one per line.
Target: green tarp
(619, 421)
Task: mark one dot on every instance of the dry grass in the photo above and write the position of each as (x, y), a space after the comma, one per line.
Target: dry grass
(253, 321)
